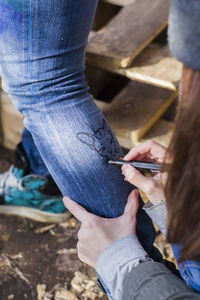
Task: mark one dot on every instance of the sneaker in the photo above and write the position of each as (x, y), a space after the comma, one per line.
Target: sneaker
(30, 195)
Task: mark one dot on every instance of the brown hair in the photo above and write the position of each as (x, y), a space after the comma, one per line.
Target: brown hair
(183, 185)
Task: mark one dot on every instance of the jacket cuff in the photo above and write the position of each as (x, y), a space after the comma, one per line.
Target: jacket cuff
(184, 32)
(117, 260)
(158, 214)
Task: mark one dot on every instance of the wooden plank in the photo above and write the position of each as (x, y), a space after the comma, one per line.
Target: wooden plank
(119, 2)
(135, 110)
(91, 35)
(11, 123)
(155, 66)
(161, 132)
(104, 13)
(127, 34)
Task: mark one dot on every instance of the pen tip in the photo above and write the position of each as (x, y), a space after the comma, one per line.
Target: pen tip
(111, 162)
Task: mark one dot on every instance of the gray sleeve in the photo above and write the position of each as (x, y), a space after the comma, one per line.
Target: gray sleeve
(117, 261)
(152, 280)
(158, 214)
(184, 32)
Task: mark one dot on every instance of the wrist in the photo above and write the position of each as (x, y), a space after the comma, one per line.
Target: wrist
(117, 260)
(158, 214)
(121, 250)
(156, 199)
(154, 202)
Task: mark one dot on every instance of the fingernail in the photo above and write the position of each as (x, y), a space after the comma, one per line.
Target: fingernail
(136, 192)
(124, 168)
(126, 157)
(127, 170)
(64, 199)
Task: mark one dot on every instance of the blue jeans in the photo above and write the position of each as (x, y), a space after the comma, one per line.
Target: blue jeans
(34, 159)
(42, 62)
(189, 270)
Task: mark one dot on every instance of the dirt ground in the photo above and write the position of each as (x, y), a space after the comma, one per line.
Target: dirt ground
(39, 261)
(34, 254)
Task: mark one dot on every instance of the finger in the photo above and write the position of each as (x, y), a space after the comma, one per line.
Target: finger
(84, 258)
(77, 210)
(157, 150)
(137, 179)
(132, 204)
(162, 177)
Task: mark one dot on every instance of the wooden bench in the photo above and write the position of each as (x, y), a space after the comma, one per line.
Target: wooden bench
(127, 34)
(155, 66)
(135, 110)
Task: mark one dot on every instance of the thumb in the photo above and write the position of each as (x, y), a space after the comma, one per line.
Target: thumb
(132, 204)
(77, 210)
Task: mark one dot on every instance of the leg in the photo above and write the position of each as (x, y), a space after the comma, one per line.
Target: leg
(42, 52)
(34, 159)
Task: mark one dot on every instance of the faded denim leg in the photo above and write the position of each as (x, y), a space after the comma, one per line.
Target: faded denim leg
(42, 62)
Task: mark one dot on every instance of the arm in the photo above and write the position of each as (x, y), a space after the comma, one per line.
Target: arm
(126, 254)
(131, 275)
(152, 280)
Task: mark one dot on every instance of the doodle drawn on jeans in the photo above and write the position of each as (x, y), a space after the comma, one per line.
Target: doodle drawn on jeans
(100, 140)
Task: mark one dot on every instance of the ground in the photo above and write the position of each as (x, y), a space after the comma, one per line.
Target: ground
(39, 261)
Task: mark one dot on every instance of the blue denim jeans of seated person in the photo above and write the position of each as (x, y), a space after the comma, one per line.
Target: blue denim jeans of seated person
(189, 270)
(35, 161)
(42, 62)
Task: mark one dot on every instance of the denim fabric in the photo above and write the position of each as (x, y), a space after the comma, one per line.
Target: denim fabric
(42, 62)
(189, 270)
(35, 161)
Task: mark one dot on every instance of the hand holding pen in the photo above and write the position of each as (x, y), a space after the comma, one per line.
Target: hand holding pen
(153, 187)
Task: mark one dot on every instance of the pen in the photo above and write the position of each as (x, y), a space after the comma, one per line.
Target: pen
(141, 165)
